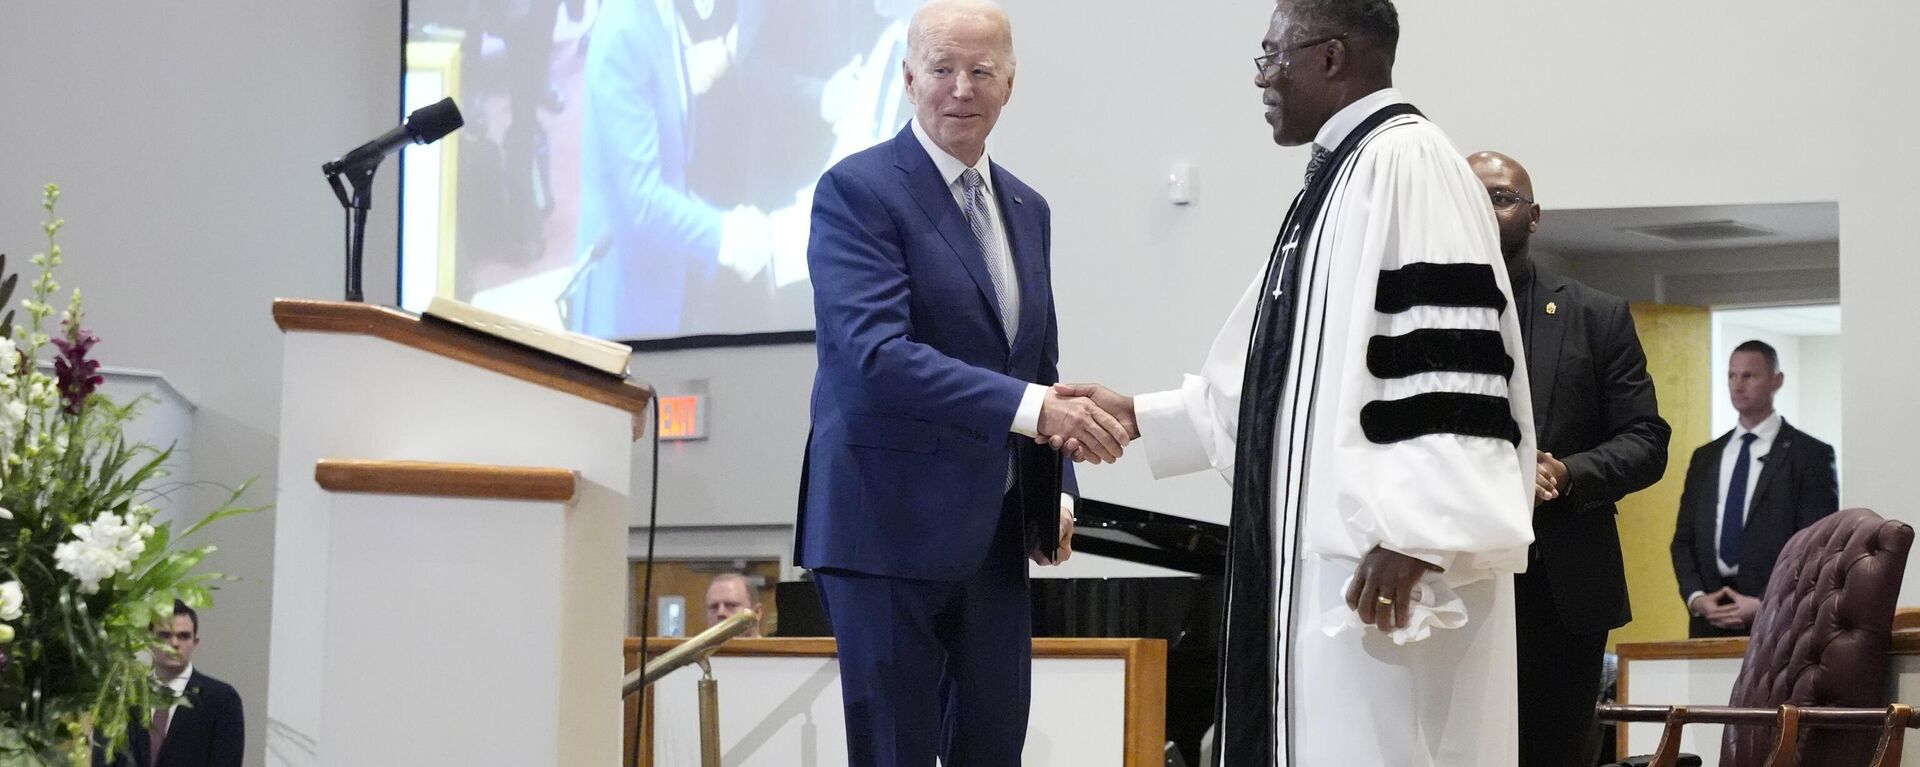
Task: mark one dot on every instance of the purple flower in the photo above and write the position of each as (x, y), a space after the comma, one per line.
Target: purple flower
(77, 375)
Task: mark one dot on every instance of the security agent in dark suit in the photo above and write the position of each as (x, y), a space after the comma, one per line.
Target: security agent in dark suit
(208, 729)
(1600, 438)
(1746, 494)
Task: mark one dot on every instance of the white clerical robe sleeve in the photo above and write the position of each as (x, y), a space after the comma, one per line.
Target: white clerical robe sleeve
(1433, 436)
(1192, 428)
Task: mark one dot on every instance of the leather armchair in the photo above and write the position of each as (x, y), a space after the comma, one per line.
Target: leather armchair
(1820, 640)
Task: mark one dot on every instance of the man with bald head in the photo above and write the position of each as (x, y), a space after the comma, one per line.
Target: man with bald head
(1600, 437)
(923, 493)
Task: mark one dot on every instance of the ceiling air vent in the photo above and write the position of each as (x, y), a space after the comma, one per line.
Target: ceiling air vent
(1701, 232)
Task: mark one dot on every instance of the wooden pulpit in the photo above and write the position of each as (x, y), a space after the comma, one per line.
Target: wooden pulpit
(450, 546)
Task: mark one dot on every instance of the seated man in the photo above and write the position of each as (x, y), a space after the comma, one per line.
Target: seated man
(729, 593)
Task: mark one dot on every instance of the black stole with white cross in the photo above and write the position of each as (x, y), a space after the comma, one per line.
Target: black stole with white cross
(1249, 670)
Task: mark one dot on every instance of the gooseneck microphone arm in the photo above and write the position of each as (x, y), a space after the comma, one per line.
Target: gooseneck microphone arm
(425, 126)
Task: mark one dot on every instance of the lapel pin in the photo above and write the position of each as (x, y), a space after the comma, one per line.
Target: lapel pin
(1017, 200)
(1552, 308)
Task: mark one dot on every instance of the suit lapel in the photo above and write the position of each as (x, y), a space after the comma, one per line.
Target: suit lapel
(1543, 344)
(1774, 465)
(1708, 522)
(923, 182)
(1023, 235)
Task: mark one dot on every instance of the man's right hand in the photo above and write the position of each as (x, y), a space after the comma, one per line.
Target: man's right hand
(1070, 419)
(1115, 404)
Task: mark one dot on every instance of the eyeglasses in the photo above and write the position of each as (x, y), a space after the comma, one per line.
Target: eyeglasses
(1263, 63)
(1503, 199)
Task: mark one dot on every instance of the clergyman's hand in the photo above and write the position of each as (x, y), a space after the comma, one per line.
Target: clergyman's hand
(1382, 588)
(1118, 405)
(1080, 420)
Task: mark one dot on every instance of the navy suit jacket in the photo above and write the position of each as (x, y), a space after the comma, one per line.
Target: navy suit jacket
(918, 382)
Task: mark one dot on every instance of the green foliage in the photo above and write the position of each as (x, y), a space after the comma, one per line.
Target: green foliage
(79, 660)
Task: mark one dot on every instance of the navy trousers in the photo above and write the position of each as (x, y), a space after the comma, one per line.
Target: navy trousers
(936, 668)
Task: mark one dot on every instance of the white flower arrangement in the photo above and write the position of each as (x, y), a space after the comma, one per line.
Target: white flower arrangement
(84, 570)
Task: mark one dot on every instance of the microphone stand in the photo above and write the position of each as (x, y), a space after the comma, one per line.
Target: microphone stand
(361, 178)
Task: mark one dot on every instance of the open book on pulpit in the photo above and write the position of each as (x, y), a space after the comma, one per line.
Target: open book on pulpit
(602, 355)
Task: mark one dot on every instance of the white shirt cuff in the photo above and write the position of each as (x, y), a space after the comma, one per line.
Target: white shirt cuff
(1026, 420)
(1067, 502)
(1690, 598)
(1166, 432)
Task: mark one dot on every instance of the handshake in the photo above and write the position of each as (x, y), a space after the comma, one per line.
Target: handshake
(1087, 422)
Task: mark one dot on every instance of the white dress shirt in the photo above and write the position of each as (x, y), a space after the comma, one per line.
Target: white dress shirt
(1026, 420)
(1344, 121)
(1763, 434)
(178, 685)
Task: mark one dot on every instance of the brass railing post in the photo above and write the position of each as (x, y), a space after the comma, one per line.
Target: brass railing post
(709, 716)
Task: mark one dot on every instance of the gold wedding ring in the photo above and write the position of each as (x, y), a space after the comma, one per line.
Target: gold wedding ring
(1388, 601)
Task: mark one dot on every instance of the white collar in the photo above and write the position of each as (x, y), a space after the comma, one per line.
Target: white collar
(179, 683)
(1765, 430)
(1344, 121)
(951, 167)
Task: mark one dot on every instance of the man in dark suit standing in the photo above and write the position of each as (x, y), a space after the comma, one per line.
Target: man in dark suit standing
(1746, 494)
(1600, 438)
(922, 487)
(209, 730)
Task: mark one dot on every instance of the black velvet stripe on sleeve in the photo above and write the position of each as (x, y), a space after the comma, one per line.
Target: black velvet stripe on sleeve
(1468, 415)
(1438, 285)
(1437, 350)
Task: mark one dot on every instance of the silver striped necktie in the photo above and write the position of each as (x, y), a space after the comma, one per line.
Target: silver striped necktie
(974, 189)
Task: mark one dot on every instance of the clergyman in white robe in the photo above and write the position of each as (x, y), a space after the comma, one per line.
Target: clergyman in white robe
(1405, 423)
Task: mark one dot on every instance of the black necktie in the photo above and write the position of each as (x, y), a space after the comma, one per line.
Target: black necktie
(1734, 516)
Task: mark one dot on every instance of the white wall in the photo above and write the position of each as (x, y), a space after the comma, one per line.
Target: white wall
(188, 135)
(188, 138)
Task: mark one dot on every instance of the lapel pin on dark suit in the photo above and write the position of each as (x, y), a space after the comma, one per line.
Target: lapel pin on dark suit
(1552, 308)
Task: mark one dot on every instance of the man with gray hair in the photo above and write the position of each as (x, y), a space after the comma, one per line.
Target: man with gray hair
(922, 493)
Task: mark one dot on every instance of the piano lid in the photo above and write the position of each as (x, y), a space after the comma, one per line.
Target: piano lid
(1137, 535)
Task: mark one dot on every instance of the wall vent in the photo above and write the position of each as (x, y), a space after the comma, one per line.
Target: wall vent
(1701, 232)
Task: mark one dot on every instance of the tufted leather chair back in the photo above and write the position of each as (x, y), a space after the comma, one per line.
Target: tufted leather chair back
(1822, 634)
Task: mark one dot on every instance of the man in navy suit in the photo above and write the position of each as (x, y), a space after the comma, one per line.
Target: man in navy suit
(1746, 494)
(923, 490)
(209, 730)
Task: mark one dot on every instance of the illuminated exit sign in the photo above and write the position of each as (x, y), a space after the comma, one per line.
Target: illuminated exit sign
(683, 417)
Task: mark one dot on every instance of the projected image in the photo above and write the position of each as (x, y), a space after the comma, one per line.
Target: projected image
(638, 169)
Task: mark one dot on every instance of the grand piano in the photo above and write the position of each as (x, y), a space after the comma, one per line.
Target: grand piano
(1181, 606)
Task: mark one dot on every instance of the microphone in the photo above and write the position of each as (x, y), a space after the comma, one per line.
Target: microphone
(425, 126)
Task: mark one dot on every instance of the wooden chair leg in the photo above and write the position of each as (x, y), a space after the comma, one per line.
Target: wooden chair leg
(1785, 746)
(1893, 735)
(1668, 755)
